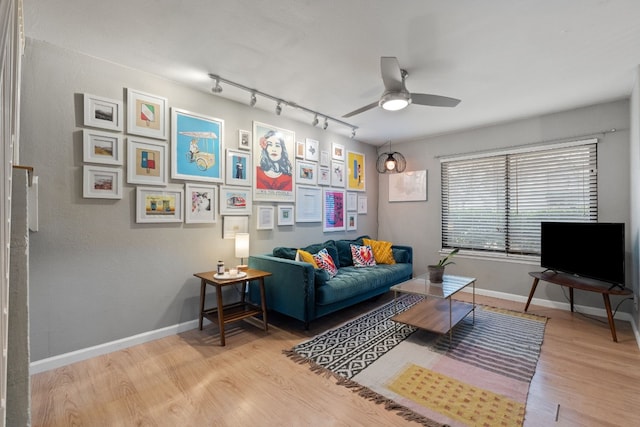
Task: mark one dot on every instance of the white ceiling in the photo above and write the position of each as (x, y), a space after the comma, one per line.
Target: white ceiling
(505, 59)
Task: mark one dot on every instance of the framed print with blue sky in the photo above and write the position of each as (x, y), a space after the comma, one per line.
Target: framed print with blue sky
(196, 147)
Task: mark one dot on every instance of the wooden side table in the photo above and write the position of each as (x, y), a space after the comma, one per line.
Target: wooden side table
(224, 314)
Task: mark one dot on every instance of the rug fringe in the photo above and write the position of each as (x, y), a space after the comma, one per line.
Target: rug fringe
(363, 391)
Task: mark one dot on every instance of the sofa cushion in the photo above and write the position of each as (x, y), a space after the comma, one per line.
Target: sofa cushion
(345, 258)
(325, 262)
(329, 245)
(287, 253)
(351, 281)
(400, 255)
(362, 256)
(306, 257)
(381, 251)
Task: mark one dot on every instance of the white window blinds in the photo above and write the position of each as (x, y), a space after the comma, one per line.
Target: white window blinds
(496, 203)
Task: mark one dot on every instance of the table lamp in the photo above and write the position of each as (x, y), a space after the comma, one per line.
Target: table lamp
(242, 249)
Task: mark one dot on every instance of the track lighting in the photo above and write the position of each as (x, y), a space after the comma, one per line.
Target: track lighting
(280, 103)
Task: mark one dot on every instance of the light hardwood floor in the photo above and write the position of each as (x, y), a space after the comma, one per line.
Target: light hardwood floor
(189, 380)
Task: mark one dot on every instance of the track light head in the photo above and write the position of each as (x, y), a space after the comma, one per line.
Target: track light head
(315, 120)
(326, 124)
(353, 133)
(279, 108)
(253, 100)
(217, 88)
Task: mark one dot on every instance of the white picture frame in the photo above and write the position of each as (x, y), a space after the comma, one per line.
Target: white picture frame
(102, 147)
(146, 114)
(362, 204)
(264, 217)
(286, 215)
(147, 162)
(159, 205)
(306, 172)
(352, 221)
(324, 158)
(300, 149)
(408, 186)
(311, 147)
(103, 113)
(239, 168)
(235, 200)
(338, 174)
(333, 209)
(244, 140)
(337, 151)
(324, 175)
(101, 182)
(308, 204)
(352, 202)
(200, 203)
(234, 224)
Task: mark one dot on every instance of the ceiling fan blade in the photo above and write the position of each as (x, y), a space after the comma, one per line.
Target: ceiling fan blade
(361, 110)
(433, 100)
(391, 74)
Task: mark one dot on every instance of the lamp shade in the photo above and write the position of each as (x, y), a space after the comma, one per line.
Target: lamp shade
(242, 245)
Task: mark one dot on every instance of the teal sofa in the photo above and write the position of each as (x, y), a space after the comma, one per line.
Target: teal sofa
(298, 290)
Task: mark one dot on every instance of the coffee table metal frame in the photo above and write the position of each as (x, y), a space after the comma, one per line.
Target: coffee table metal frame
(430, 314)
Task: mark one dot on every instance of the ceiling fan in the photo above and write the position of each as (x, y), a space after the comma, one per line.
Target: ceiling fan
(396, 96)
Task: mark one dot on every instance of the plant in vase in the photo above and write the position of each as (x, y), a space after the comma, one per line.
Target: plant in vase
(436, 271)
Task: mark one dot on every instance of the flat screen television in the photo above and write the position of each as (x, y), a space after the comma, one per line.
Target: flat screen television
(590, 249)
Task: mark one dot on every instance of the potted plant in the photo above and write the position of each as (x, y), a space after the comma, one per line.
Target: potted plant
(437, 271)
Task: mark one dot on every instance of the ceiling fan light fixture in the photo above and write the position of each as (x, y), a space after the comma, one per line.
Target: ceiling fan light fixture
(394, 101)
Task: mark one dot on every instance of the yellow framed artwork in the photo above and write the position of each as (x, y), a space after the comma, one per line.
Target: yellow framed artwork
(355, 171)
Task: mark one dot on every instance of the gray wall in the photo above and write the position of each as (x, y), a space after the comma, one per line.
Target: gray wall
(634, 196)
(96, 275)
(418, 223)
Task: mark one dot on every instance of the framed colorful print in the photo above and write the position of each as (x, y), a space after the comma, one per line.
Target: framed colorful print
(408, 186)
(147, 162)
(308, 204)
(337, 173)
(200, 203)
(273, 177)
(299, 150)
(238, 168)
(324, 176)
(352, 201)
(265, 219)
(159, 204)
(285, 215)
(337, 151)
(101, 182)
(196, 146)
(333, 208)
(311, 150)
(102, 147)
(362, 204)
(146, 114)
(244, 140)
(306, 173)
(235, 201)
(324, 158)
(102, 112)
(355, 171)
(352, 221)
(234, 224)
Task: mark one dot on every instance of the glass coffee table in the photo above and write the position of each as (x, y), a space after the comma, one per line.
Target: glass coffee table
(438, 312)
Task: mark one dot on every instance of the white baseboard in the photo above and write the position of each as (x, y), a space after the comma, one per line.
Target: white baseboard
(98, 350)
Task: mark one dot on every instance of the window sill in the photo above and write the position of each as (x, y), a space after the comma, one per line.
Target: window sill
(487, 256)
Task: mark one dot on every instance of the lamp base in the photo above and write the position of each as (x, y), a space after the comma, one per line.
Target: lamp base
(242, 267)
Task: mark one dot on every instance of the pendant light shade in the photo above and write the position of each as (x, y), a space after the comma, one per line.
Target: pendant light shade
(391, 162)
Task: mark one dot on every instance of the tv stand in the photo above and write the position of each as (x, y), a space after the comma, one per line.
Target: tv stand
(584, 284)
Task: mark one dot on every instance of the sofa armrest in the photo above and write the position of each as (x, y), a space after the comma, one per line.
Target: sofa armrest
(409, 250)
(290, 289)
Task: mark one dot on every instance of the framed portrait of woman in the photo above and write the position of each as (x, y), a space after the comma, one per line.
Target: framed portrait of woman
(273, 160)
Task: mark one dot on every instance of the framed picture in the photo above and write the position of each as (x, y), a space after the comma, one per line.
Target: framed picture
(102, 112)
(352, 201)
(352, 221)
(337, 173)
(234, 224)
(146, 114)
(147, 162)
(273, 178)
(324, 175)
(200, 203)
(235, 201)
(102, 147)
(238, 168)
(311, 147)
(285, 215)
(306, 172)
(362, 204)
(337, 151)
(264, 216)
(159, 204)
(244, 140)
(196, 146)
(299, 150)
(355, 171)
(324, 158)
(308, 204)
(408, 186)
(101, 182)
(333, 208)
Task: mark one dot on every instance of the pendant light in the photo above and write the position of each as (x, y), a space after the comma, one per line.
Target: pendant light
(391, 162)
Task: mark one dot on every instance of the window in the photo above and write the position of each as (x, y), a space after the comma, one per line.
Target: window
(495, 203)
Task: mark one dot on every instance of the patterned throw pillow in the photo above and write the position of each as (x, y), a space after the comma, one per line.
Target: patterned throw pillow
(325, 262)
(306, 257)
(381, 251)
(362, 256)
